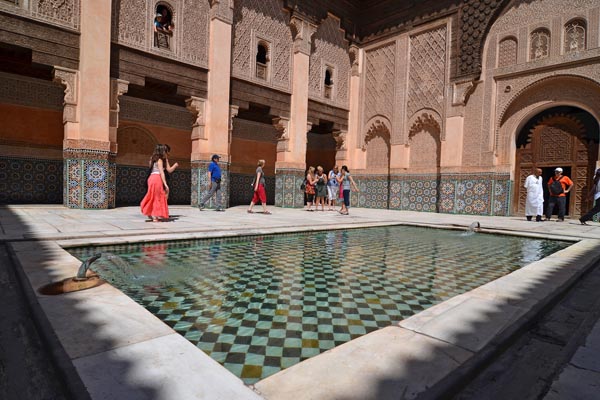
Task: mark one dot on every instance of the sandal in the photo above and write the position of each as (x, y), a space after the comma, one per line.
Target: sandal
(250, 212)
(267, 212)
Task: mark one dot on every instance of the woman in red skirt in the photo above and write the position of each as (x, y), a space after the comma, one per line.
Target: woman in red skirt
(154, 204)
(259, 189)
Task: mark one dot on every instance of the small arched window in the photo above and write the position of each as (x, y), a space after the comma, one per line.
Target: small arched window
(575, 36)
(507, 52)
(262, 60)
(328, 83)
(540, 44)
(163, 27)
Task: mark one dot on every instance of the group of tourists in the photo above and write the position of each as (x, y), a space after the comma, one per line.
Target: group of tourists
(558, 187)
(321, 189)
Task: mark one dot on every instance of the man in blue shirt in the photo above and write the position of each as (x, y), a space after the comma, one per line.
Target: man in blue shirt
(214, 184)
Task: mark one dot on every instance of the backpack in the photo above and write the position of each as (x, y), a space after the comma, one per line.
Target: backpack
(303, 185)
(556, 188)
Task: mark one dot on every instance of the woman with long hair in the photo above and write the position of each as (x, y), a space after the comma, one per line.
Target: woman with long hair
(259, 189)
(310, 188)
(154, 204)
(347, 183)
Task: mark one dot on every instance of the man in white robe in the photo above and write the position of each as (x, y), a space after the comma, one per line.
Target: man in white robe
(534, 204)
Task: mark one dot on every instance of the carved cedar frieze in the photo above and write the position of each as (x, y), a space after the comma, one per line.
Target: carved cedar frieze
(330, 50)
(265, 19)
(65, 13)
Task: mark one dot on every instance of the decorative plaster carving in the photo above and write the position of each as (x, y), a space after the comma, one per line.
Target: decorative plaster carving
(197, 106)
(378, 126)
(118, 87)
(427, 70)
(354, 52)
(130, 25)
(461, 92)
(507, 52)
(262, 18)
(233, 112)
(69, 78)
(222, 9)
(340, 139)
(302, 33)
(194, 30)
(282, 125)
(575, 33)
(379, 83)
(330, 49)
(540, 44)
(425, 120)
(58, 12)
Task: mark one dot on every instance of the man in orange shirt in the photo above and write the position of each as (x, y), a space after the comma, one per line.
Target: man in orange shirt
(558, 187)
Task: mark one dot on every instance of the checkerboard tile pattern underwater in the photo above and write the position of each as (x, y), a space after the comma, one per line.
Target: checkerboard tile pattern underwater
(260, 304)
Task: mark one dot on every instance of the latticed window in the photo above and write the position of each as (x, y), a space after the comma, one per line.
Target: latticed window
(328, 93)
(262, 61)
(540, 44)
(507, 53)
(163, 27)
(575, 36)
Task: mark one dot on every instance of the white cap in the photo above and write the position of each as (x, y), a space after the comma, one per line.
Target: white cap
(559, 169)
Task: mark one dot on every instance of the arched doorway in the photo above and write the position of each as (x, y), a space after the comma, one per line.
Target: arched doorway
(565, 137)
(378, 147)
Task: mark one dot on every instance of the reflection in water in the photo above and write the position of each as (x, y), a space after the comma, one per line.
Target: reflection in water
(263, 303)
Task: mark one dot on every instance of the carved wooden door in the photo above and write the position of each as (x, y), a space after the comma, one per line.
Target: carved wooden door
(556, 141)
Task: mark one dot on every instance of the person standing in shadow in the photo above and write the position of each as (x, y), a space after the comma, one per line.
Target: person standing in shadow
(534, 204)
(595, 194)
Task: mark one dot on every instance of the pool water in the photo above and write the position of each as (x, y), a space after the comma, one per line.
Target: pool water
(259, 304)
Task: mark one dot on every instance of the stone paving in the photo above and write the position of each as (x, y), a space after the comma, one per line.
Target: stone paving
(35, 234)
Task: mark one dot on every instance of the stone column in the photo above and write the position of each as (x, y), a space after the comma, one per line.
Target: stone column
(212, 137)
(354, 157)
(89, 160)
(291, 148)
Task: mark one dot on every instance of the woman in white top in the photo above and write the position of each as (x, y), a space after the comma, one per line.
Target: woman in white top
(595, 192)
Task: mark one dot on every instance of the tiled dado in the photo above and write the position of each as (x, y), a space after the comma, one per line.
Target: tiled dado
(199, 185)
(89, 179)
(131, 185)
(475, 194)
(30, 181)
(287, 188)
(241, 190)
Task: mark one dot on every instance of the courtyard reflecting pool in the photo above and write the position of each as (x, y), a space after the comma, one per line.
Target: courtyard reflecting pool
(259, 304)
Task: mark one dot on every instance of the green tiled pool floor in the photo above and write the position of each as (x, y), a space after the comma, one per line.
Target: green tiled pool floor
(264, 303)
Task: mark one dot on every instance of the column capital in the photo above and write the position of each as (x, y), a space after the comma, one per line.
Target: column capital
(233, 112)
(302, 33)
(69, 78)
(118, 87)
(197, 106)
(354, 52)
(222, 10)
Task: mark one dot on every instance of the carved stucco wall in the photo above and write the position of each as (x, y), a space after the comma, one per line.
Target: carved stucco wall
(133, 27)
(63, 13)
(256, 20)
(508, 69)
(378, 155)
(425, 149)
(330, 49)
(427, 71)
(378, 83)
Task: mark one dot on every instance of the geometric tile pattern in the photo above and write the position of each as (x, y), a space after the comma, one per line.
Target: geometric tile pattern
(30, 181)
(240, 189)
(89, 183)
(473, 194)
(287, 188)
(199, 186)
(260, 304)
(131, 187)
